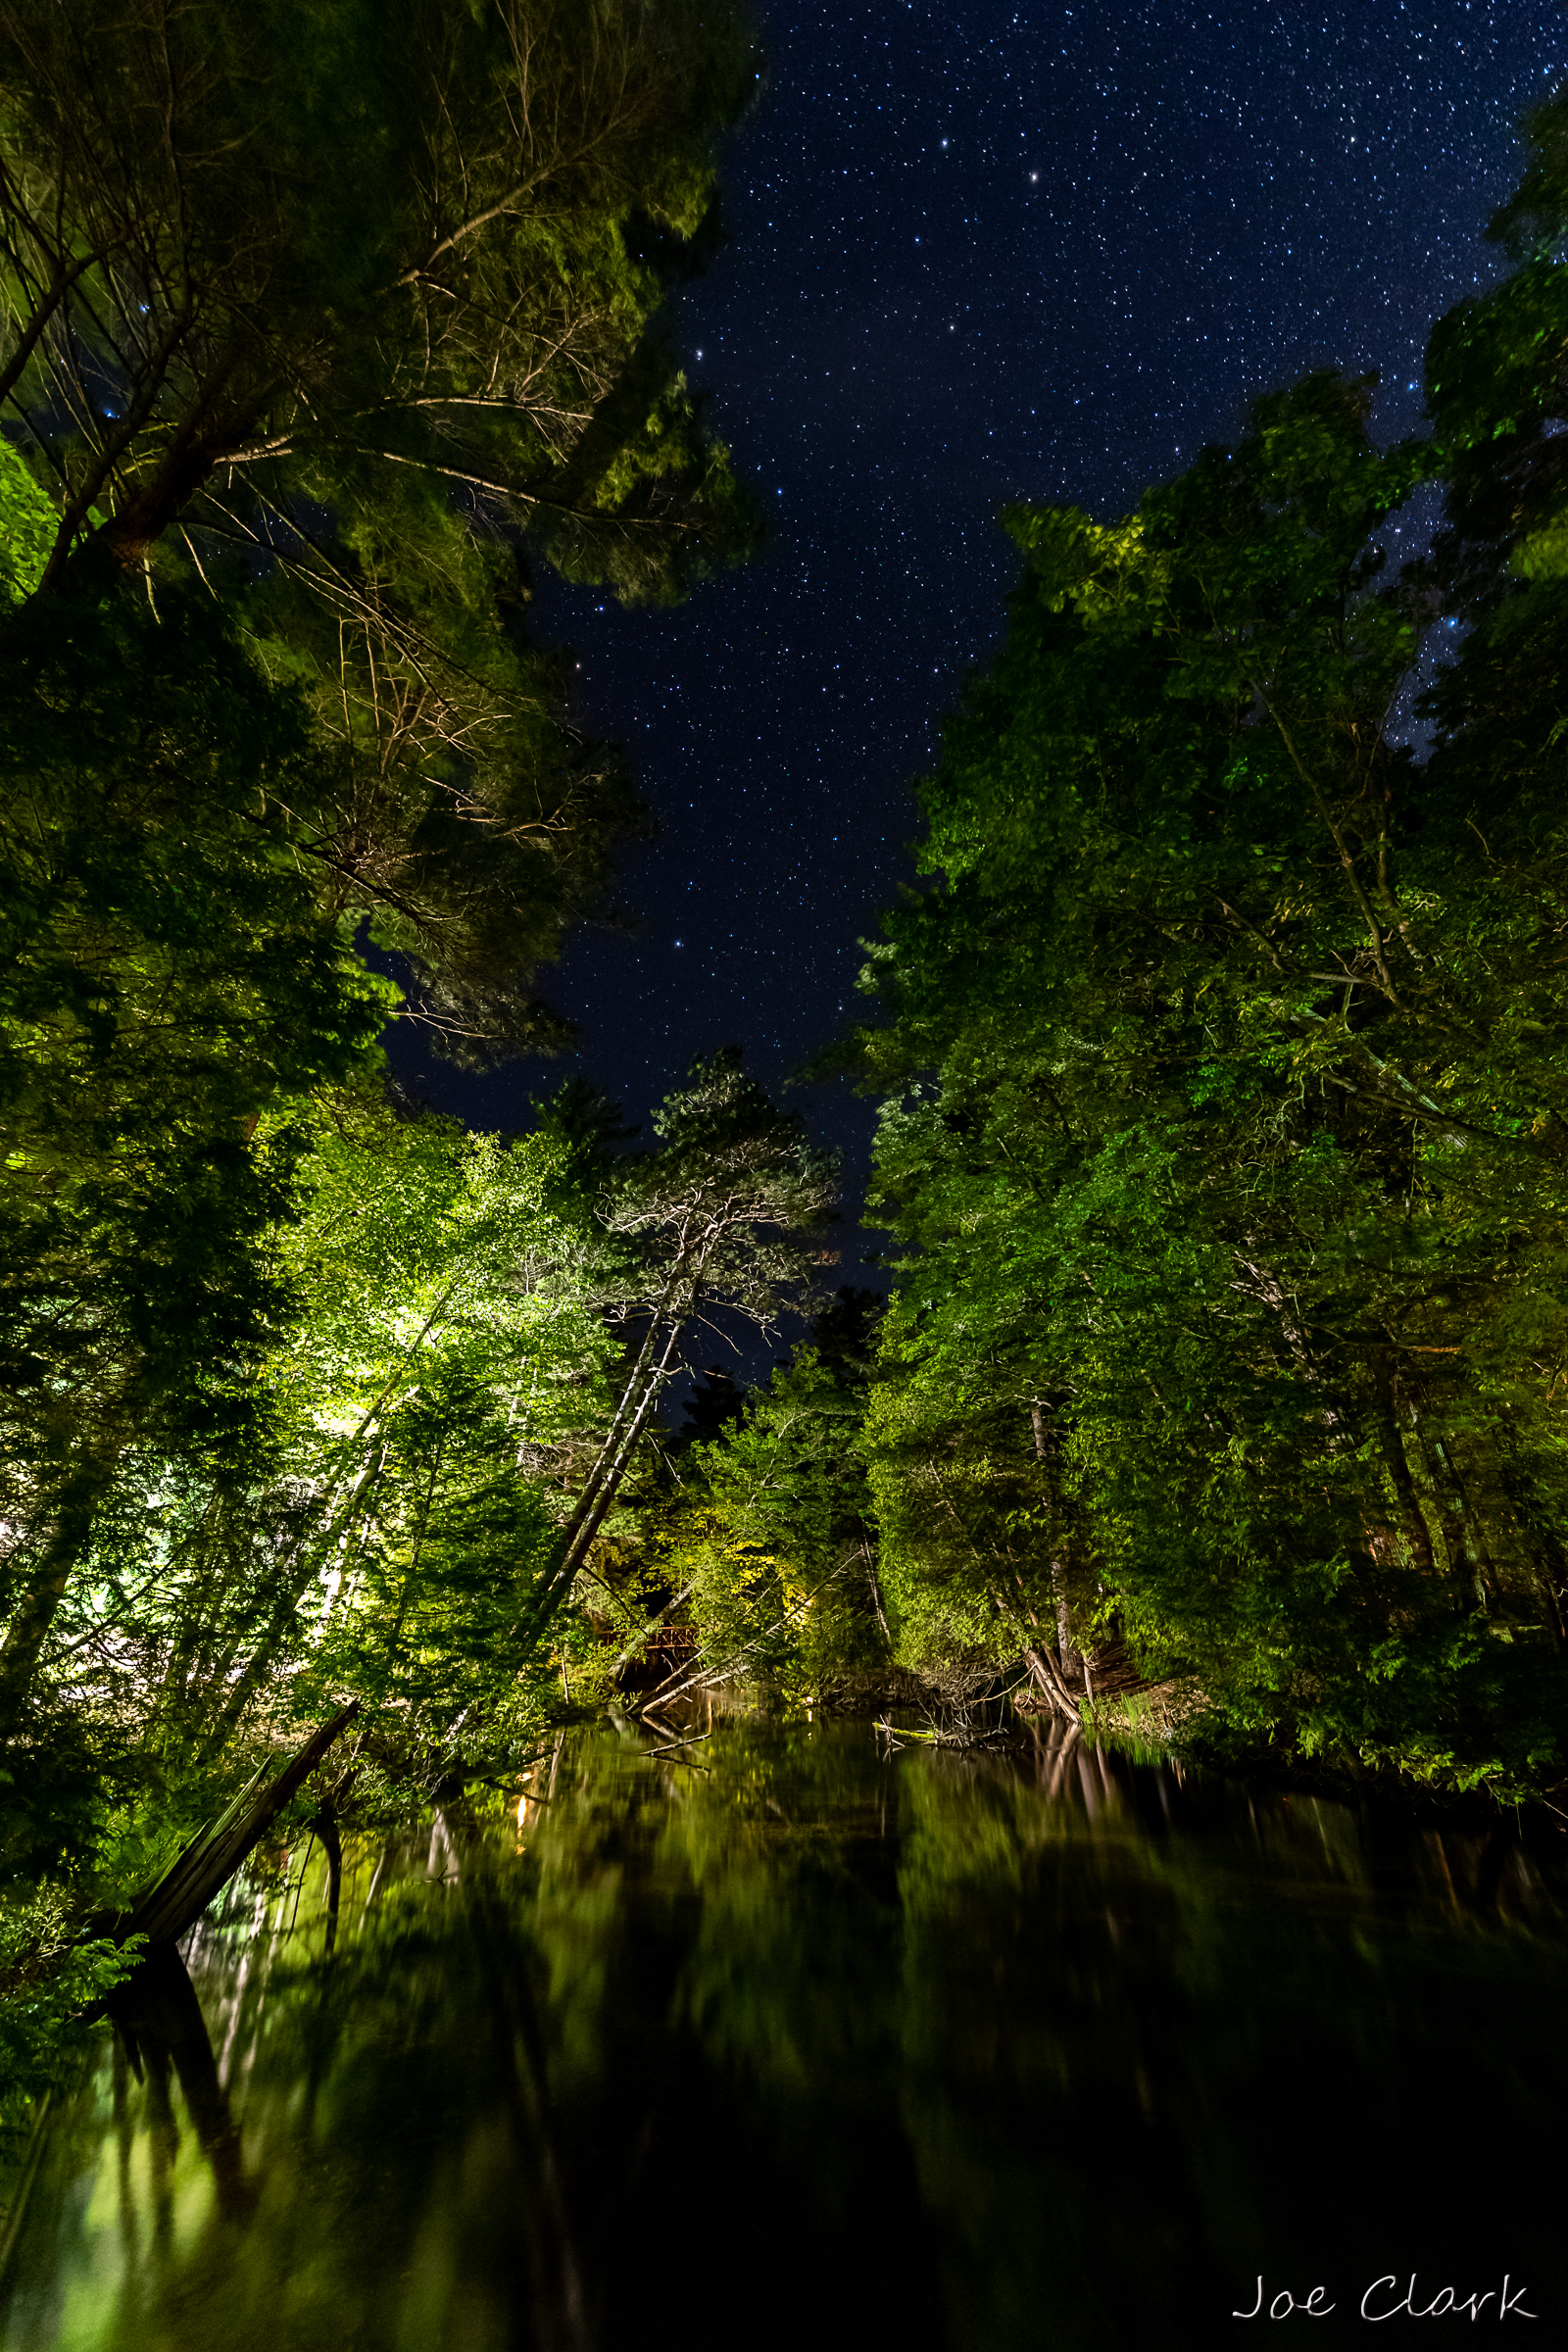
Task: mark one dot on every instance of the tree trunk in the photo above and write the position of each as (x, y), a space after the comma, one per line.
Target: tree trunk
(212, 1858)
(559, 1581)
(876, 1594)
(45, 1587)
(1047, 1677)
(1417, 1534)
(1067, 1655)
(211, 431)
(607, 1451)
(1469, 1569)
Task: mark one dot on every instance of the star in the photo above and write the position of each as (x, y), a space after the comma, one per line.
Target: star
(1201, 240)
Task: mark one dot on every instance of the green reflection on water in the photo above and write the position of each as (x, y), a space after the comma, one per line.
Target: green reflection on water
(787, 2035)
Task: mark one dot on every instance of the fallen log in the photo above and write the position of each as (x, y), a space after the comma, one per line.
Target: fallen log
(206, 1864)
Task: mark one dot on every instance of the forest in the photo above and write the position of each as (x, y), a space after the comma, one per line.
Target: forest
(1219, 1392)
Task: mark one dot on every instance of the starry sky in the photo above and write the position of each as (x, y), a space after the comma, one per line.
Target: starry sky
(979, 252)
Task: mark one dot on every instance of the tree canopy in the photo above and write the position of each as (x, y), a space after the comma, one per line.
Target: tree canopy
(320, 331)
(1223, 1060)
(352, 317)
(254, 262)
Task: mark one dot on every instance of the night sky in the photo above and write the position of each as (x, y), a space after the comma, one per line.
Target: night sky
(979, 252)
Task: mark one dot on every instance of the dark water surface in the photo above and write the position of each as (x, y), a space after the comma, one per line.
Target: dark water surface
(784, 2039)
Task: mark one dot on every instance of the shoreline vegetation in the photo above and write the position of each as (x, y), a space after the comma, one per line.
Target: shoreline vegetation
(1220, 1397)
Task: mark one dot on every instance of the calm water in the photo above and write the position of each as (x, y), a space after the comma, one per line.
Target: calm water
(783, 2038)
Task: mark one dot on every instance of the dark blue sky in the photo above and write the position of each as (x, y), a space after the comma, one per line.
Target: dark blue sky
(980, 252)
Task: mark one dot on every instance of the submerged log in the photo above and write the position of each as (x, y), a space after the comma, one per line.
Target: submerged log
(208, 1863)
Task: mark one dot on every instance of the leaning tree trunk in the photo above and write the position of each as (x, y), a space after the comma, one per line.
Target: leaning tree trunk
(611, 1452)
(1047, 1679)
(557, 1584)
(1417, 1532)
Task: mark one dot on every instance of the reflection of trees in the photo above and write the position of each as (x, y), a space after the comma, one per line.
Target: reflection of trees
(160, 2028)
(399, 2174)
(1053, 2044)
(1160, 2037)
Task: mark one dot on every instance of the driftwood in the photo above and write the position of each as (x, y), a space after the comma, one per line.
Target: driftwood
(206, 1864)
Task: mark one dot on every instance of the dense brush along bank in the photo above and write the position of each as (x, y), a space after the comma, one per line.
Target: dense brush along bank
(1215, 1392)
(845, 2040)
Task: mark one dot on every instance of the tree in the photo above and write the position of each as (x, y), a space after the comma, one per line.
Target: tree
(166, 976)
(253, 261)
(712, 1406)
(340, 312)
(1227, 1141)
(387, 1524)
(729, 1212)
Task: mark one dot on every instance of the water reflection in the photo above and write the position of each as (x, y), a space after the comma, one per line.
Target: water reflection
(796, 2035)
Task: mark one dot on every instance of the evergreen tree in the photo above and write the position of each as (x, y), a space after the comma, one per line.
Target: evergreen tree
(259, 260)
(729, 1210)
(351, 315)
(712, 1406)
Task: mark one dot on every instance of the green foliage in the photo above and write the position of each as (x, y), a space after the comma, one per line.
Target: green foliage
(1226, 1123)
(389, 1537)
(164, 974)
(252, 263)
(770, 1536)
(454, 810)
(165, 961)
(347, 316)
(27, 528)
(964, 1555)
(47, 1978)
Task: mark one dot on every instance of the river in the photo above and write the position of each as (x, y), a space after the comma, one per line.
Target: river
(790, 2035)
